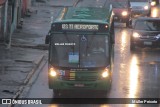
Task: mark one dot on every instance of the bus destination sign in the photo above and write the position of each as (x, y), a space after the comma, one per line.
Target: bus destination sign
(87, 27)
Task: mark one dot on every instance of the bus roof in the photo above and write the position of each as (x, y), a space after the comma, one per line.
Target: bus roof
(85, 14)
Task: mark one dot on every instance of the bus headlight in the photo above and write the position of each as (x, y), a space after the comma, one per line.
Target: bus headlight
(124, 13)
(52, 72)
(105, 73)
(136, 35)
(146, 7)
(153, 3)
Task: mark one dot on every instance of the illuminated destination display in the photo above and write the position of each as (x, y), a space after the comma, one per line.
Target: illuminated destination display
(86, 27)
(80, 27)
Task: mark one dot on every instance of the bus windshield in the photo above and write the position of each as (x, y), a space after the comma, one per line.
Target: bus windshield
(79, 51)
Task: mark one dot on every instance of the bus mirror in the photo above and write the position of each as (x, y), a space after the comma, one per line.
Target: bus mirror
(47, 39)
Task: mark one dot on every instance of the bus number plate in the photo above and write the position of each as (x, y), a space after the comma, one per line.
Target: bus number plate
(79, 85)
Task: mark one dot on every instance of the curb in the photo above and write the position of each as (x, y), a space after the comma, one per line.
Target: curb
(39, 46)
(21, 88)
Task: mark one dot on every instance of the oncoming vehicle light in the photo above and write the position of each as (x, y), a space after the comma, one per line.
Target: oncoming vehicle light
(136, 35)
(105, 73)
(146, 7)
(153, 3)
(124, 13)
(52, 72)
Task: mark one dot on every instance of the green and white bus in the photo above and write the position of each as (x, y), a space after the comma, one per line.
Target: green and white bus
(81, 42)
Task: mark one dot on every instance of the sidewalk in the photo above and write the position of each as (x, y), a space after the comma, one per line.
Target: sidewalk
(18, 63)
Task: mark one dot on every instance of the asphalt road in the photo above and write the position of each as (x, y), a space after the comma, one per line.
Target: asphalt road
(135, 75)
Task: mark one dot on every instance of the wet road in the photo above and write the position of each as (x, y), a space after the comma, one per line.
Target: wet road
(135, 75)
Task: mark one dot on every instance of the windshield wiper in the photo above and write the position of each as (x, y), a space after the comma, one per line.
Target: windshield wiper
(89, 44)
(74, 48)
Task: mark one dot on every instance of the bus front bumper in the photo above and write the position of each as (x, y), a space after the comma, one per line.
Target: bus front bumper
(103, 84)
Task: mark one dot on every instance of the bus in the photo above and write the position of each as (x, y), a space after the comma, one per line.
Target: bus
(81, 50)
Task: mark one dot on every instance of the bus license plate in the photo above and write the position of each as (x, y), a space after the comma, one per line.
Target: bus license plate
(79, 85)
(147, 43)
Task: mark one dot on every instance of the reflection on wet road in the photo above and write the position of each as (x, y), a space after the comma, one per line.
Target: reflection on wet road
(133, 75)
